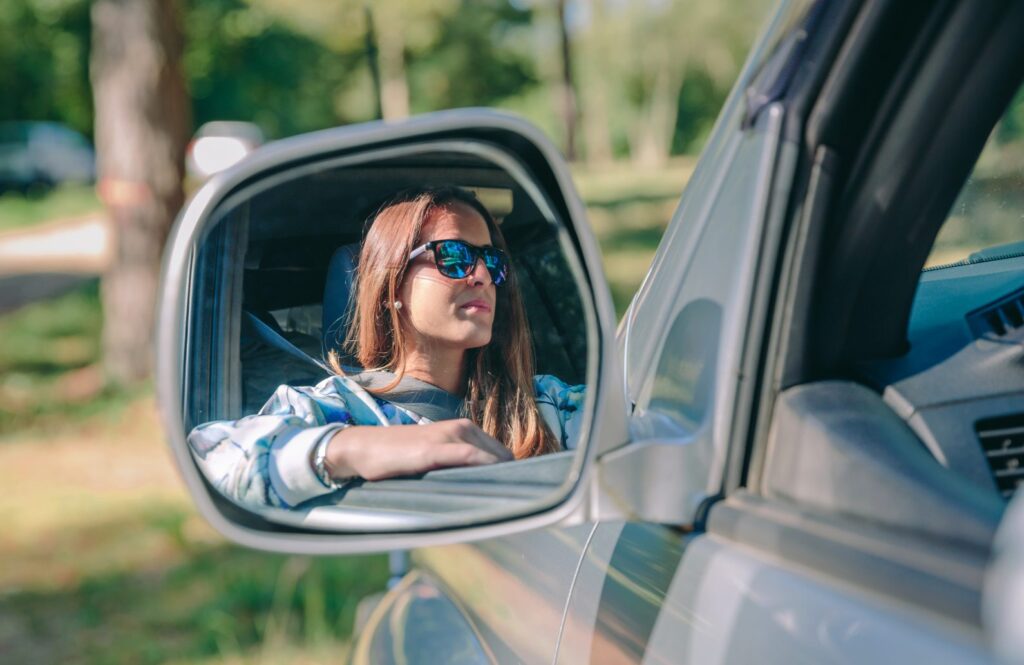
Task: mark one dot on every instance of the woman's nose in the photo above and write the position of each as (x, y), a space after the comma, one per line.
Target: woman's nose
(480, 275)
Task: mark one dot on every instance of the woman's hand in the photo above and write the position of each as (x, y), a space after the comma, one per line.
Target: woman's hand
(375, 453)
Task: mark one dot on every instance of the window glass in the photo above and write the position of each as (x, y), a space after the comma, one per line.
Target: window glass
(987, 220)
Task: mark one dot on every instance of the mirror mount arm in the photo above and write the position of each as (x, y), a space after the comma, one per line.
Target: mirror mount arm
(645, 480)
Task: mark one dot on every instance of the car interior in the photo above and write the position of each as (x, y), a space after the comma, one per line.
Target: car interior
(958, 382)
(896, 402)
(958, 385)
(286, 256)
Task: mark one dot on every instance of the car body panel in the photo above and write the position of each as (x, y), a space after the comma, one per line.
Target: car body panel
(619, 592)
(701, 599)
(685, 334)
(417, 623)
(513, 590)
(698, 298)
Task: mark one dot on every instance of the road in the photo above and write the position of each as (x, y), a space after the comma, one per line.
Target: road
(45, 261)
(18, 290)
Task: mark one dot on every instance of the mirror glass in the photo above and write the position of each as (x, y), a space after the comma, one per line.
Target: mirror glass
(395, 340)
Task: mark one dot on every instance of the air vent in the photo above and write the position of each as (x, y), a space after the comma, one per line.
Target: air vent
(1003, 442)
(1000, 317)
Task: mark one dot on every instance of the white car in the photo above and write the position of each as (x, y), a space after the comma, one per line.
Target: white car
(219, 145)
(41, 155)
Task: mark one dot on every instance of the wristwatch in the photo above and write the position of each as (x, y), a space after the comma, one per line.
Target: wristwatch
(320, 466)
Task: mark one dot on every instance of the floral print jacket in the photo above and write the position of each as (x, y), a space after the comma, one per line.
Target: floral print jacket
(264, 459)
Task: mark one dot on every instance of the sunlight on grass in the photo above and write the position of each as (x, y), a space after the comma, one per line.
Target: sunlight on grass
(105, 558)
(622, 182)
(628, 211)
(48, 363)
(18, 211)
(112, 564)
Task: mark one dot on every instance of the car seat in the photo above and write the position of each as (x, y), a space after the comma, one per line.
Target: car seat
(338, 301)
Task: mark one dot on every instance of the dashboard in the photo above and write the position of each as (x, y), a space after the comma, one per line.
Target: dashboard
(960, 386)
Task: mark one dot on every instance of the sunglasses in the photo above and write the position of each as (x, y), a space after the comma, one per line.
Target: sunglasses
(456, 259)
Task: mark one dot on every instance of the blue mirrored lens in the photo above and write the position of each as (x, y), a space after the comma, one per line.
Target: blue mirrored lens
(456, 259)
(496, 265)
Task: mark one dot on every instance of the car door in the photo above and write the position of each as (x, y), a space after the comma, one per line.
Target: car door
(848, 528)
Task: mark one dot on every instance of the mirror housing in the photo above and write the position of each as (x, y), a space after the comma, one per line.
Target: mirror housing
(520, 149)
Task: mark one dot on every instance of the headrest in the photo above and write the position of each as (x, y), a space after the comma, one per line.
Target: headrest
(338, 293)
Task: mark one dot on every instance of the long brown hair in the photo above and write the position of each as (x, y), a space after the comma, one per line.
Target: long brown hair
(499, 386)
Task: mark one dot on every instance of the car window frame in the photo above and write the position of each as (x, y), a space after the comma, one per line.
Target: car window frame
(227, 260)
(939, 577)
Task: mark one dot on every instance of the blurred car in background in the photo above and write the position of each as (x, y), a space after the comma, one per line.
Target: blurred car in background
(219, 145)
(42, 155)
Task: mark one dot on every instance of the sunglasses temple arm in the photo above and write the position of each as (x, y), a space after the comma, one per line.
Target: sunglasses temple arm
(416, 252)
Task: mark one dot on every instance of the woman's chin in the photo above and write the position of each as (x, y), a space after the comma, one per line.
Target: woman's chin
(476, 339)
(479, 342)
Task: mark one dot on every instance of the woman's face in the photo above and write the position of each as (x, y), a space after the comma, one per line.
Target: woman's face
(443, 312)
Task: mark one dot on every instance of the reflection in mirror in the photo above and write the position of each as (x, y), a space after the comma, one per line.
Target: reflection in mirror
(399, 343)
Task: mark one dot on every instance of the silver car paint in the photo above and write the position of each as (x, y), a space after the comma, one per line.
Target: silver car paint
(717, 271)
(418, 623)
(513, 590)
(510, 594)
(724, 604)
(709, 252)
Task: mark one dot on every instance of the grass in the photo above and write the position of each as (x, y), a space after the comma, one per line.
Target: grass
(18, 211)
(104, 557)
(49, 374)
(105, 560)
(628, 211)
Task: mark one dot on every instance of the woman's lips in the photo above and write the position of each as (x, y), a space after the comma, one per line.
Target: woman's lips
(477, 306)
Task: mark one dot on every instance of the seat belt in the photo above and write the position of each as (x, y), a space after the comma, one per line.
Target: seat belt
(274, 339)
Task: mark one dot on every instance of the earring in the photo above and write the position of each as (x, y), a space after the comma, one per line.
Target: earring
(398, 304)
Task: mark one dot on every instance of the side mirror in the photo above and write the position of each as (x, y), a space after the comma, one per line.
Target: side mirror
(256, 292)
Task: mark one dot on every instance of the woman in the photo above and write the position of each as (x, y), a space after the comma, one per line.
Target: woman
(441, 323)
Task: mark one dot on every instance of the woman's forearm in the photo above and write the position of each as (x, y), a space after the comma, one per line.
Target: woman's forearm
(344, 450)
(375, 453)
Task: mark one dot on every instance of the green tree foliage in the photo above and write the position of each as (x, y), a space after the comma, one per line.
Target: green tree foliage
(244, 64)
(433, 54)
(650, 74)
(240, 62)
(658, 71)
(477, 60)
(44, 55)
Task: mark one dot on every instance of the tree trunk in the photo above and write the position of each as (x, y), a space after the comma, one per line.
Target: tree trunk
(597, 129)
(651, 139)
(394, 91)
(373, 60)
(142, 127)
(567, 93)
(596, 123)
